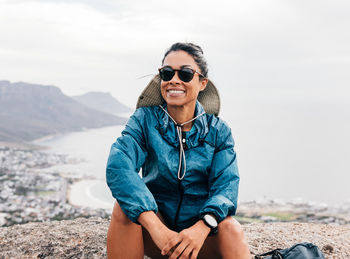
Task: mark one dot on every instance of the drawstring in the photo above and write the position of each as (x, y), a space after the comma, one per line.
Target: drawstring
(182, 151)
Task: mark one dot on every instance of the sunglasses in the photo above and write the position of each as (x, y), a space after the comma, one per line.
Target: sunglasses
(185, 74)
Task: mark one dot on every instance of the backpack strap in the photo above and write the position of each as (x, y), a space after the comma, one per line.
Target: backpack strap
(275, 254)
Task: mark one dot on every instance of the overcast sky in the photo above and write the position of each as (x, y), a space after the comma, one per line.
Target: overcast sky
(282, 68)
(297, 47)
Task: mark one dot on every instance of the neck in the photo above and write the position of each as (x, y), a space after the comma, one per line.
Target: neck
(182, 114)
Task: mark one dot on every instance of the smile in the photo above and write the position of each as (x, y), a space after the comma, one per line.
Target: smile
(176, 91)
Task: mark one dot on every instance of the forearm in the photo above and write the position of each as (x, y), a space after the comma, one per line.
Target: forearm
(150, 221)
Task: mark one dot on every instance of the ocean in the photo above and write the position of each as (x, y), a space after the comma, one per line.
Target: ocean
(285, 152)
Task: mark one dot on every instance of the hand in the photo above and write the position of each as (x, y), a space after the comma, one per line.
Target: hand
(158, 231)
(162, 236)
(188, 242)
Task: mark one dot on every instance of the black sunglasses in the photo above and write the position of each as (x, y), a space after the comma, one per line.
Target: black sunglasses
(185, 74)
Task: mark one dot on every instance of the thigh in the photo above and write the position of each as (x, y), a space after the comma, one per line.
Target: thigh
(210, 249)
(124, 238)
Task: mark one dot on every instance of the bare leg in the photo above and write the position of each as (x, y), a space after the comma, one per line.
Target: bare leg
(124, 238)
(229, 242)
(210, 249)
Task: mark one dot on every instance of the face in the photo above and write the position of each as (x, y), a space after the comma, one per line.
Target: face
(176, 92)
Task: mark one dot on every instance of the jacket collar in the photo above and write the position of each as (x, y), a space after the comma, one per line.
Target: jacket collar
(167, 128)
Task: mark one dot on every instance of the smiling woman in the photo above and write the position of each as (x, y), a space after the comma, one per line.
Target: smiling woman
(182, 205)
(181, 96)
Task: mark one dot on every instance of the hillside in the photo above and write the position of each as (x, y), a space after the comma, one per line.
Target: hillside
(86, 238)
(30, 111)
(103, 102)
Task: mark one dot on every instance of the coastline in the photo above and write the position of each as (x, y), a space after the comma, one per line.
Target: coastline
(291, 211)
(46, 194)
(31, 192)
(22, 145)
(80, 193)
(46, 138)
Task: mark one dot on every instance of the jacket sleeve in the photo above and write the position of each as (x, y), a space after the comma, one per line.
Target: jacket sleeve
(223, 179)
(126, 157)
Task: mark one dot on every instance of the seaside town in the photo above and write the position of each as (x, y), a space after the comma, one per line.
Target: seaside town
(29, 194)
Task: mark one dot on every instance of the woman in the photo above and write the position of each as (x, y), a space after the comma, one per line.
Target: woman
(182, 206)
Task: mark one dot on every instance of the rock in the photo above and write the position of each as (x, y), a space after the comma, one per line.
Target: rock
(86, 238)
(328, 248)
(2, 218)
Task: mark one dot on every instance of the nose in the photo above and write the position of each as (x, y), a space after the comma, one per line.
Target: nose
(175, 80)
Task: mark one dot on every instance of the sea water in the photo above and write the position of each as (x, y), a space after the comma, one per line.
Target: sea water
(284, 151)
(88, 150)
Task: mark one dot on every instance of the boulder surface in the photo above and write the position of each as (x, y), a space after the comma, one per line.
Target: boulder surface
(86, 238)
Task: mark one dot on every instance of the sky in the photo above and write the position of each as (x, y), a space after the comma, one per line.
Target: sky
(281, 67)
(277, 46)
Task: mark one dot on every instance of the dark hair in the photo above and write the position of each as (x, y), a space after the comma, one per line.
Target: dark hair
(195, 51)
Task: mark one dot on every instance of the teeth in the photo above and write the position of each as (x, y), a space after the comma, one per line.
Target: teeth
(176, 91)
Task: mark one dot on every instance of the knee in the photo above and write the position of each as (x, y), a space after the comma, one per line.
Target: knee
(118, 215)
(232, 227)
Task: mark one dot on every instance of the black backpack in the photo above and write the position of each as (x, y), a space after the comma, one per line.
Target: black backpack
(298, 251)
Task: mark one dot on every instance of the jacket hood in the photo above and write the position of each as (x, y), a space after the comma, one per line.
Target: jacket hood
(151, 96)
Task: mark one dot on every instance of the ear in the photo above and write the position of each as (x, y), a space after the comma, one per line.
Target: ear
(203, 83)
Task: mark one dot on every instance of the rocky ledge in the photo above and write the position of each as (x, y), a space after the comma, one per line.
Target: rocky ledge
(86, 238)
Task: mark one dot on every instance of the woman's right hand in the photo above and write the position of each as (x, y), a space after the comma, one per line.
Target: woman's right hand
(162, 236)
(158, 231)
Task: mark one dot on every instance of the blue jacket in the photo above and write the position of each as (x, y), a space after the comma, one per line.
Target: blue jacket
(149, 141)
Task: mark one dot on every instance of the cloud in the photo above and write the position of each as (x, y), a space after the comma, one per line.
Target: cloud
(106, 45)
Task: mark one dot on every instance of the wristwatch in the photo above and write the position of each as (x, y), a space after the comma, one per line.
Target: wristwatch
(211, 222)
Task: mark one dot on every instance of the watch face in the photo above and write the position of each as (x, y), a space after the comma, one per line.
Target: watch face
(210, 220)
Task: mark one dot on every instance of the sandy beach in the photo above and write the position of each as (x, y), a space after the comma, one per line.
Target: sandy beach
(81, 193)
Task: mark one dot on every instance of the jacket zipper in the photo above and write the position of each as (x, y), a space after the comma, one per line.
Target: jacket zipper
(179, 205)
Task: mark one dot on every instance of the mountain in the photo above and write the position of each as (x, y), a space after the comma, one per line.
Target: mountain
(103, 102)
(30, 111)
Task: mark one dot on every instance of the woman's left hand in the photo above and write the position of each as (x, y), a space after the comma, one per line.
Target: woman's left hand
(188, 242)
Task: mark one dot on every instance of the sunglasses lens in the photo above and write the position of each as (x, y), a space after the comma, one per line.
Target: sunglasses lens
(166, 73)
(186, 74)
